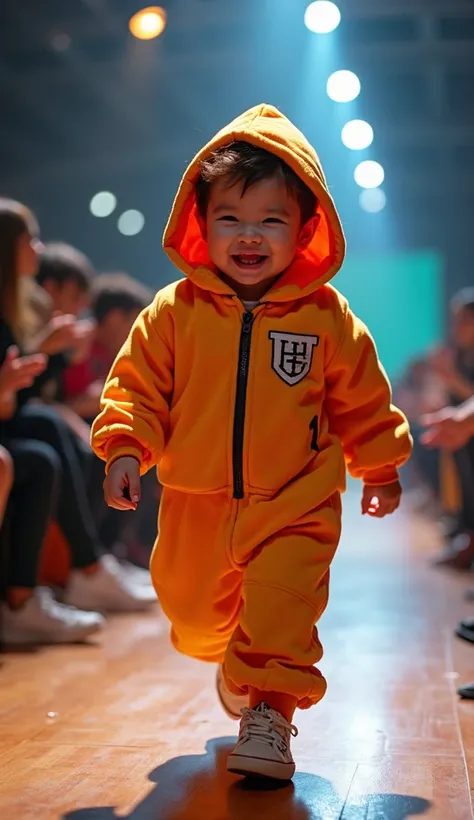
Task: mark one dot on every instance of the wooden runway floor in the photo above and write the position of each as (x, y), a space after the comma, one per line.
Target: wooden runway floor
(127, 728)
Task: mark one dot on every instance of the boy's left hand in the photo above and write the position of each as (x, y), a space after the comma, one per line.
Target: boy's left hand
(381, 501)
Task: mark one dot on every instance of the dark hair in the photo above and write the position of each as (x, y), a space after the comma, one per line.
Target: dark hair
(246, 163)
(62, 263)
(118, 291)
(15, 221)
(463, 300)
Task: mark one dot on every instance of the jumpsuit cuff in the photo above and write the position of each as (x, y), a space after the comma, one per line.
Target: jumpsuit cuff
(124, 451)
(380, 476)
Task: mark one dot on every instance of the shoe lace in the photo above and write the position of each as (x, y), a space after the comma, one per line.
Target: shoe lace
(261, 726)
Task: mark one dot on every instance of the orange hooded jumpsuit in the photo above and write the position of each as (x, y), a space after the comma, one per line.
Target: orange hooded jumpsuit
(251, 418)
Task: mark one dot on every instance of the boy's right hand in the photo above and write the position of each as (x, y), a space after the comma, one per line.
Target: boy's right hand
(122, 487)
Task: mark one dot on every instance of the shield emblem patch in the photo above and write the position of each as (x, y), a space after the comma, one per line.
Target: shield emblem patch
(292, 355)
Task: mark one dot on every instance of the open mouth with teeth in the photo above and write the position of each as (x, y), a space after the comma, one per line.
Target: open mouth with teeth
(249, 260)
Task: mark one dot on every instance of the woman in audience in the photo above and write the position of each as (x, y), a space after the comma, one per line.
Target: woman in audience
(29, 474)
(97, 581)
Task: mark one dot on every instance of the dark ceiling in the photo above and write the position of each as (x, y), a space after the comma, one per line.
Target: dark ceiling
(82, 102)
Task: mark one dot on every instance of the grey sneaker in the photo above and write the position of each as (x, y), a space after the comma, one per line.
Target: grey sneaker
(263, 748)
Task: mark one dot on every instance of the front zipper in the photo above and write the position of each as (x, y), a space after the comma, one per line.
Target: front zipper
(240, 402)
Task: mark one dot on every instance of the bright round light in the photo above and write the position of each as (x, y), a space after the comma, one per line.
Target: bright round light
(372, 200)
(357, 135)
(369, 174)
(148, 23)
(343, 86)
(102, 204)
(131, 222)
(321, 17)
(61, 42)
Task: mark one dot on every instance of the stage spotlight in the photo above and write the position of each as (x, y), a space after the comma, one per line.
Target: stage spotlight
(131, 222)
(148, 23)
(357, 135)
(372, 200)
(102, 204)
(369, 174)
(321, 17)
(343, 86)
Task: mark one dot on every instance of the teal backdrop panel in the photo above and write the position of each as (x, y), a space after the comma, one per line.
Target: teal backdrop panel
(400, 298)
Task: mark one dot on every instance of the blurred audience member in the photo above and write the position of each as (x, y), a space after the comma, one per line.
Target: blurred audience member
(97, 581)
(66, 275)
(454, 366)
(117, 300)
(29, 474)
(420, 392)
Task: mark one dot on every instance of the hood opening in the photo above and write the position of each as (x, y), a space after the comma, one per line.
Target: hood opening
(265, 127)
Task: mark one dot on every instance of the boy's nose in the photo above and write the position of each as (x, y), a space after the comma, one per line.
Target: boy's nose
(250, 235)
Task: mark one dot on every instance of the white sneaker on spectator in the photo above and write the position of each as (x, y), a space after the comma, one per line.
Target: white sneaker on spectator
(137, 575)
(263, 748)
(43, 620)
(108, 589)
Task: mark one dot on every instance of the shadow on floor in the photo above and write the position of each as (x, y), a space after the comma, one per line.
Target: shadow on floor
(198, 787)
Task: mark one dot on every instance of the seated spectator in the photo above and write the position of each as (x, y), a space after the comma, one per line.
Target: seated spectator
(29, 475)
(97, 581)
(420, 391)
(454, 366)
(452, 429)
(117, 300)
(66, 275)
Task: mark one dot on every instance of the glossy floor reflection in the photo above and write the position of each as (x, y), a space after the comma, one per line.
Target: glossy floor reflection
(127, 728)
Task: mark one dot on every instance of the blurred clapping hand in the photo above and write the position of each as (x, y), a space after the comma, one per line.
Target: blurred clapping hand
(64, 333)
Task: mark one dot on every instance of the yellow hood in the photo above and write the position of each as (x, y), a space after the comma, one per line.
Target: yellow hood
(267, 128)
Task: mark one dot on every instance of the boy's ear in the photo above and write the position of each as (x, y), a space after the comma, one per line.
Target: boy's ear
(202, 224)
(307, 232)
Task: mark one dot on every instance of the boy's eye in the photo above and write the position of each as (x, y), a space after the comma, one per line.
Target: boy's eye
(273, 220)
(228, 218)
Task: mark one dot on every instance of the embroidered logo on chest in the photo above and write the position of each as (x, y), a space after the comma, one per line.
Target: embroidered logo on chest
(292, 355)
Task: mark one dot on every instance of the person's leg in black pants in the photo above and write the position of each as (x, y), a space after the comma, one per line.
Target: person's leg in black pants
(73, 510)
(96, 582)
(36, 476)
(31, 615)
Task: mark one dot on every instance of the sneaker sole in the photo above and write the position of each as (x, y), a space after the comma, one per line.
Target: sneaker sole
(40, 640)
(259, 767)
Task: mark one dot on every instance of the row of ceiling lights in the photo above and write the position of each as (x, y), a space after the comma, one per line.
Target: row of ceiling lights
(321, 17)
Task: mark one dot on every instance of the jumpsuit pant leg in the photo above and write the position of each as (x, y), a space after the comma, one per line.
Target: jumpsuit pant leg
(258, 617)
(285, 591)
(197, 584)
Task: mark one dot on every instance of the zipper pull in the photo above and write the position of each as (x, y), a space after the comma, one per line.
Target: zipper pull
(247, 320)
